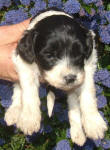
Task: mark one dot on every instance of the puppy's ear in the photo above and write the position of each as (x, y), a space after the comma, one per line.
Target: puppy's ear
(26, 46)
(89, 42)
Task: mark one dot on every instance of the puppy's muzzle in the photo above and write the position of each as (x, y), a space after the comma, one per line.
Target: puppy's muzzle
(70, 78)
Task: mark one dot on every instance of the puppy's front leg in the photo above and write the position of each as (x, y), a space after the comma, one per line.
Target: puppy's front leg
(76, 131)
(92, 121)
(30, 117)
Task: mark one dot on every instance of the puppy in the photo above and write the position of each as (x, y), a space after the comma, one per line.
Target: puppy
(56, 50)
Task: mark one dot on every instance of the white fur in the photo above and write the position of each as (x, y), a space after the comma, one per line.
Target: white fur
(50, 102)
(83, 110)
(30, 115)
(92, 121)
(13, 112)
(76, 130)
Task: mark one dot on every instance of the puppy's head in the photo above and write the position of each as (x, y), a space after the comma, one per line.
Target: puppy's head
(59, 46)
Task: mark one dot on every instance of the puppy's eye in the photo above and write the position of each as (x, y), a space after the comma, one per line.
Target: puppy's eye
(48, 55)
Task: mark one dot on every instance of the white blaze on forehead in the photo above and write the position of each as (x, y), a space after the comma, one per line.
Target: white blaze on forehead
(45, 15)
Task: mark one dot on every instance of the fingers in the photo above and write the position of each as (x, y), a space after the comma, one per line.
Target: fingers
(12, 33)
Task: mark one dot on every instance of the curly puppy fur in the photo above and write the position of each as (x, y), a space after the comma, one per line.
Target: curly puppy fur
(57, 50)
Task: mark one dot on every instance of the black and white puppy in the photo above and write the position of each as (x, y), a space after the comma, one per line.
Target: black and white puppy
(57, 50)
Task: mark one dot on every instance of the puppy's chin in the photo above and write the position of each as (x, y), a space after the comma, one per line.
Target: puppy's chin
(65, 87)
(68, 88)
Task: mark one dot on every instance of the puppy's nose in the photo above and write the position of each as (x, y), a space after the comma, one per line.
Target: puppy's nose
(70, 78)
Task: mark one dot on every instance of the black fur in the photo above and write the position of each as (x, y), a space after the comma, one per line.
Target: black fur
(53, 38)
(26, 46)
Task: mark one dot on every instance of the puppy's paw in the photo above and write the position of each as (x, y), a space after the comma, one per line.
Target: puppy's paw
(29, 122)
(94, 125)
(12, 114)
(77, 135)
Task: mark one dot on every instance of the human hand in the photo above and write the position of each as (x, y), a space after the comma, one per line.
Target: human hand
(7, 69)
(12, 33)
(9, 37)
